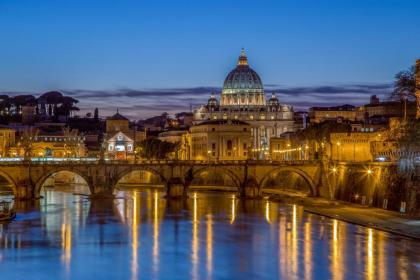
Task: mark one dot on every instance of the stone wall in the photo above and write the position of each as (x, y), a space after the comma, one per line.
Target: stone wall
(377, 185)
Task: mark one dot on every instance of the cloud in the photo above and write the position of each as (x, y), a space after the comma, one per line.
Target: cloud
(142, 103)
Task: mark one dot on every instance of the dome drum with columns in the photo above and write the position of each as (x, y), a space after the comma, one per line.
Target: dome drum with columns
(243, 98)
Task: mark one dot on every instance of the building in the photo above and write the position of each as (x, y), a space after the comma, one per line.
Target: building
(243, 99)
(48, 140)
(221, 140)
(173, 136)
(380, 111)
(355, 146)
(288, 149)
(120, 139)
(7, 140)
(338, 113)
(117, 123)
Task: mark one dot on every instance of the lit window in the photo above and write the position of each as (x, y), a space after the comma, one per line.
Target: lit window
(120, 148)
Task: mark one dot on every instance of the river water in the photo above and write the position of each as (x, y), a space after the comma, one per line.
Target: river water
(141, 235)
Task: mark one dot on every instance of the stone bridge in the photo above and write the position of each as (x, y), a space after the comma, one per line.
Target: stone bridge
(249, 177)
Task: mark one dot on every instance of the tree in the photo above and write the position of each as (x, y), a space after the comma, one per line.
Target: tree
(71, 147)
(405, 85)
(320, 132)
(96, 114)
(26, 141)
(409, 144)
(156, 149)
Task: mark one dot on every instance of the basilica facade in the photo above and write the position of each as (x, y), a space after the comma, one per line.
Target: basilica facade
(243, 99)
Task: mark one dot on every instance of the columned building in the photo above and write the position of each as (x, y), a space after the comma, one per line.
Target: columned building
(243, 99)
(220, 140)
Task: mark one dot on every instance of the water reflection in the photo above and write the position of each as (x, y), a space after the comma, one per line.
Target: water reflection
(209, 236)
(134, 237)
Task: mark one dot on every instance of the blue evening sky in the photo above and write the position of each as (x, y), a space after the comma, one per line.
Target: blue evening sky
(102, 47)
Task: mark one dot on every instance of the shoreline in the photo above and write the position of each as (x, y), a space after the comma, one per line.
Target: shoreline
(370, 217)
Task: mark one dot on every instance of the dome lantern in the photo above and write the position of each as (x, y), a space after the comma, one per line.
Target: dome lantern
(243, 60)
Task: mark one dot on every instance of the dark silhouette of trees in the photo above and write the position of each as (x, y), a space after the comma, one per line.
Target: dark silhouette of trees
(156, 149)
(320, 132)
(55, 104)
(96, 114)
(405, 85)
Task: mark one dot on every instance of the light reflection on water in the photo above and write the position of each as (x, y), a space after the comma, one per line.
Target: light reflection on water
(208, 236)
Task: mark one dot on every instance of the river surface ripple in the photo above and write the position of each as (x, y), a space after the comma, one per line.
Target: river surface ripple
(142, 235)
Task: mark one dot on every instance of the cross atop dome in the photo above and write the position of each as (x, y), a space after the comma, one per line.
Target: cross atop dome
(243, 60)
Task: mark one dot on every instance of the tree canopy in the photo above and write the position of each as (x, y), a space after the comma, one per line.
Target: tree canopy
(156, 149)
(321, 131)
(405, 85)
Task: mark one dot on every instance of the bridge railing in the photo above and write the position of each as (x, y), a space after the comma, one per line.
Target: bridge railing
(84, 161)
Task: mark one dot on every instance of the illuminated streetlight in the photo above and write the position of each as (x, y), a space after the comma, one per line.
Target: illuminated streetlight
(369, 171)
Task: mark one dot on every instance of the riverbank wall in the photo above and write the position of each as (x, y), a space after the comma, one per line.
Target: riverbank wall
(380, 185)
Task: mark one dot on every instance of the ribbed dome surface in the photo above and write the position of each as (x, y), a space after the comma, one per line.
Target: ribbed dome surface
(242, 79)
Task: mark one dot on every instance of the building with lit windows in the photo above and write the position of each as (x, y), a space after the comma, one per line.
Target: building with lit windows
(7, 140)
(221, 140)
(120, 140)
(243, 99)
(48, 140)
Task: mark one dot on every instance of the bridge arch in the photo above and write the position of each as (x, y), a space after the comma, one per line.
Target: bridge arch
(193, 174)
(11, 182)
(41, 181)
(129, 170)
(302, 174)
